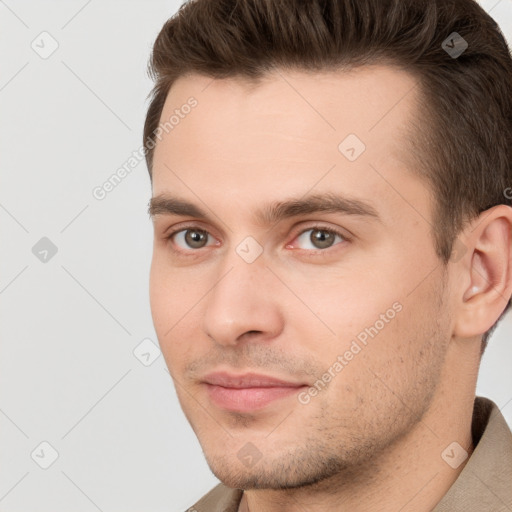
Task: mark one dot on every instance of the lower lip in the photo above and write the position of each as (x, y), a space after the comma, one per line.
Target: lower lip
(248, 399)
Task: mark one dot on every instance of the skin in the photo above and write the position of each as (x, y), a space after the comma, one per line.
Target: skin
(372, 439)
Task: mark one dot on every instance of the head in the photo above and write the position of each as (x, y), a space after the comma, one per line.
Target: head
(330, 208)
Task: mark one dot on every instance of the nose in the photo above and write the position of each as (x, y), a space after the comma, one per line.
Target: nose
(243, 304)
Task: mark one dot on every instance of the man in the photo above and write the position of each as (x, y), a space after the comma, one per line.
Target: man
(333, 248)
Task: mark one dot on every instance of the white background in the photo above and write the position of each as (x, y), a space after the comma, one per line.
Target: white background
(68, 375)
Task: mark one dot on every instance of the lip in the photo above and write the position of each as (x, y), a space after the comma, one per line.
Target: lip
(247, 380)
(247, 392)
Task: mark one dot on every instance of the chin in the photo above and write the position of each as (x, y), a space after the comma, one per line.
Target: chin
(276, 474)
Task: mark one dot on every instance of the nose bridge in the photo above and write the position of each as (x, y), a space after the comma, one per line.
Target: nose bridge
(240, 300)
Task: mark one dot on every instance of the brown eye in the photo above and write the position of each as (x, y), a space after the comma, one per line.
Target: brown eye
(322, 239)
(319, 238)
(191, 238)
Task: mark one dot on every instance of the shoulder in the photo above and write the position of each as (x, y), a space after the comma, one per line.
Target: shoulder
(220, 499)
(484, 483)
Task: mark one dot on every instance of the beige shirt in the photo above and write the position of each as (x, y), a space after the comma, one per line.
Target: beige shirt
(484, 485)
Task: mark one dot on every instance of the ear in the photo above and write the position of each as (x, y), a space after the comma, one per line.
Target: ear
(486, 272)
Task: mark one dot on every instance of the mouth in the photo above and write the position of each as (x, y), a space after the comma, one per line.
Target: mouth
(248, 392)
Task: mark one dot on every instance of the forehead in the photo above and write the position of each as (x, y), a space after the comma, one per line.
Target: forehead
(286, 132)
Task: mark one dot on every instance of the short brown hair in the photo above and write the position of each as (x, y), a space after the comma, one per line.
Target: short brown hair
(462, 145)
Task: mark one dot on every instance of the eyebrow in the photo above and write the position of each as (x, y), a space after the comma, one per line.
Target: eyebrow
(273, 212)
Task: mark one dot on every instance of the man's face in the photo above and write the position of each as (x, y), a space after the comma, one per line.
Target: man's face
(345, 305)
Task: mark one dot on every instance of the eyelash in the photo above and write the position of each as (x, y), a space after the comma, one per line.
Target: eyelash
(311, 252)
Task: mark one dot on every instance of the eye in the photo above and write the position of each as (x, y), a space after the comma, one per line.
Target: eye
(191, 238)
(318, 238)
(315, 238)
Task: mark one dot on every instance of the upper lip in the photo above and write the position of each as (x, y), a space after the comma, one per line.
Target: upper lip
(247, 380)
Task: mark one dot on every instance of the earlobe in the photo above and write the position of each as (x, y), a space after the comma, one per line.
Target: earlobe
(490, 272)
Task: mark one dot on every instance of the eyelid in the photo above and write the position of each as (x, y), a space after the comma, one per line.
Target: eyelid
(174, 228)
(182, 226)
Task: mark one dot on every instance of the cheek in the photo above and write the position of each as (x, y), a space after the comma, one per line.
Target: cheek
(339, 305)
(172, 291)
(160, 296)
(370, 318)
(177, 310)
